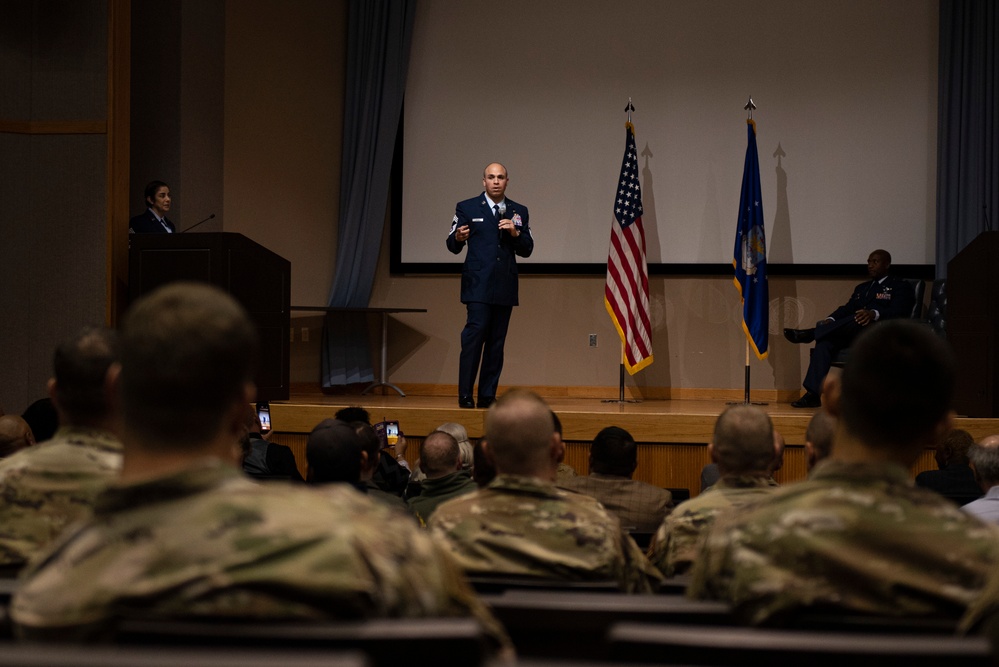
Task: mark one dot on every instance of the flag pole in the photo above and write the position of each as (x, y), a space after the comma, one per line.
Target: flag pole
(620, 384)
(750, 106)
(746, 399)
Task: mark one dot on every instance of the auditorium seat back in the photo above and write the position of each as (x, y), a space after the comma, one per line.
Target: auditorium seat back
(691, 645)
(386, 642)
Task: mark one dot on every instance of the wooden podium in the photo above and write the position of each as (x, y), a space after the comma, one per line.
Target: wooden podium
(973, 325)
(256, 277)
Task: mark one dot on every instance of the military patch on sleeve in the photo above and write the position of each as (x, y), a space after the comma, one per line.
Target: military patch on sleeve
(454, 224)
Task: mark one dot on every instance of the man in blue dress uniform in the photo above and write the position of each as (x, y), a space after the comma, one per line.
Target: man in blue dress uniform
(496, 230)
(883, 297)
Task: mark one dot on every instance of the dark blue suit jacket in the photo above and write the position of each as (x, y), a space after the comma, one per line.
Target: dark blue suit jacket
(892, 298)
(147, 223)
(490, 271)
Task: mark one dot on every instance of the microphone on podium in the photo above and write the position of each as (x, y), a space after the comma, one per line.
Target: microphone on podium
(198, 223)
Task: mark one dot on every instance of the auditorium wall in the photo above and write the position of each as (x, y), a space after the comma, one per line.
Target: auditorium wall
(53, 162)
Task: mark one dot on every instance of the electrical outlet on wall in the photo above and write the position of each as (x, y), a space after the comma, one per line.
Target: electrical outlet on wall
(593, 340)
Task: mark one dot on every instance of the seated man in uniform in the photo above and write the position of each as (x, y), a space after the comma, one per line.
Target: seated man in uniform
(743, 447)
(613, 460)
(440, 459)
(47, 487)
(185, 534)
(522, 525)
(858, 535)
(883, 297)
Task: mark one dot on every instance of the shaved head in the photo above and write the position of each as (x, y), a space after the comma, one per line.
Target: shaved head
(520, 433)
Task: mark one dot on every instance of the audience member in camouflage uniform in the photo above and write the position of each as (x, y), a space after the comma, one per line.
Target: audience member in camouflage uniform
(186, 534)
(46, 487)
(743, 448)
(819, 437)
(440, 458)
(522, 525)
(858, 535)
(613, 460)
(564, 471)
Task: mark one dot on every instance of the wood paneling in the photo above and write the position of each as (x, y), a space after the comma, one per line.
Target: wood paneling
(672, 434)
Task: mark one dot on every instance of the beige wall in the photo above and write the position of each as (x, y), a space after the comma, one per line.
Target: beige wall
(284, 81)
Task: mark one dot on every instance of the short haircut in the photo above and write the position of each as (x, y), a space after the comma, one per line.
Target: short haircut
(519, 430)
(820, 432)
(486, 168)
(354, 413)
(985, 458)
(459, 433)
(898, 385)
(43, 419)
(151, 188)
(884, 255)
(483, 470)
(743, 440)
(557, 423)
(370, 442)
(15, 435)
(188, 351)
(80, 367)
(251, 421)
(439, 454)
(613, 452)
(333, 452)
(959, 442)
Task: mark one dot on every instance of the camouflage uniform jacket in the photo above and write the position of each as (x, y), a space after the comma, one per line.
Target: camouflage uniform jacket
(209, 542)
(523, 526)
(564, 472)
(676, 543)
(854, 536)
(638, 505)
(46, 487)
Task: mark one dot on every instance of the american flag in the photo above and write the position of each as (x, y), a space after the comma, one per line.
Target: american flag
(626, 294)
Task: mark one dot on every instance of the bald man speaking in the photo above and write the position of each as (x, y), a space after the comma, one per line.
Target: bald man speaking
(496, 230)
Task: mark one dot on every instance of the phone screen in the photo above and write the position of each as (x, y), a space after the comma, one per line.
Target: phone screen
(264, 413)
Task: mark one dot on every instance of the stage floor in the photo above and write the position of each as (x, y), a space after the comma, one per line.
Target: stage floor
(650, 421)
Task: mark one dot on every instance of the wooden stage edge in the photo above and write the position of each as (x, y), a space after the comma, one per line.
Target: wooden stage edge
(663, 416)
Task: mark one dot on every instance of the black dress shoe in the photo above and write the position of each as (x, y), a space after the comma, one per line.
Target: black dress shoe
(465, 402)
(809, 400)
(486, 401)
(800, 335)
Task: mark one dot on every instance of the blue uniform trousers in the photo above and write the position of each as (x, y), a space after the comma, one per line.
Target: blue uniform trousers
(482, 340)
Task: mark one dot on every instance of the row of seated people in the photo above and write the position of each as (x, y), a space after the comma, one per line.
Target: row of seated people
(182, 533)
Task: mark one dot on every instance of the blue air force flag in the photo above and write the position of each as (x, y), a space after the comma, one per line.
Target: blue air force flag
(750, 257)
